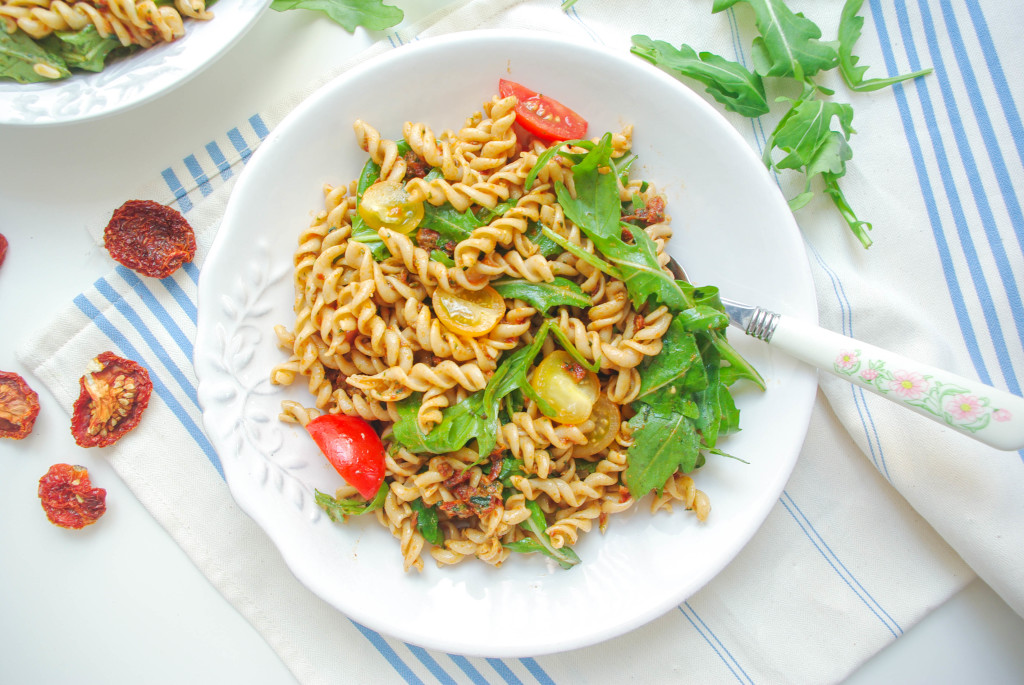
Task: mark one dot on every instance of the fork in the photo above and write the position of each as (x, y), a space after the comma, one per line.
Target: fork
(990, 415)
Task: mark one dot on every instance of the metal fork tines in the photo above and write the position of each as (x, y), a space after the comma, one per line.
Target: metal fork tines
(755, 321)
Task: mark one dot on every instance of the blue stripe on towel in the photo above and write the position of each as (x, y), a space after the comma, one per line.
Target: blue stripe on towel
(181, 298)
(716, 645)
(242, 147)
(258, 126)
(1002, 88)
(536, 671)
(833, 560)
(978, 190)
(502, 669)
(219, 160)
(180, 194)
(389, 653)
(194, 168)
(165, 319)
(927, 192)
(129, 350)
(142, 329)
(469, 669)
(431, 663)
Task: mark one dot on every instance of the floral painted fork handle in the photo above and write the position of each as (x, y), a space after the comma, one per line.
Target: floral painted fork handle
(988, 414)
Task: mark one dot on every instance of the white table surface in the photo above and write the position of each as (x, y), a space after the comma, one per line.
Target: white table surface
(120, 602)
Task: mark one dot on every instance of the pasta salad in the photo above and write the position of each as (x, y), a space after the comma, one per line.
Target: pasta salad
(44, 40)
(498, 358)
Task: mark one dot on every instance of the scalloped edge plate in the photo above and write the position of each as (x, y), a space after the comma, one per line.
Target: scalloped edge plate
(135, 79)
(644, 565)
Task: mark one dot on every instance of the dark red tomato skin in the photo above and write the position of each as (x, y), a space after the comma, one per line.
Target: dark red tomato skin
(353, 448)
(542, 116)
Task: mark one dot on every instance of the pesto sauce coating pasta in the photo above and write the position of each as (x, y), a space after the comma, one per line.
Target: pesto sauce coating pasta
(366, 336)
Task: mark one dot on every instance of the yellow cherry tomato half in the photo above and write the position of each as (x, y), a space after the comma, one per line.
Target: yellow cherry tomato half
(469, 312)
(387, 204)
(605, 418)
(567, 386)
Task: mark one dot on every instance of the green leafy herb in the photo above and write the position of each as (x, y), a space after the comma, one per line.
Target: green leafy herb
(361, 233)
(442, 257)
(730, 83)
(537, 525)
(19, 54)
(372, 14)
(665, 440)
(338, 509)
(545, 245)
(84, 49)
(813, 134)
(597, 211)
(427, 522)
(850, 25)
(788, 44)
(543, 296)
(450, 223)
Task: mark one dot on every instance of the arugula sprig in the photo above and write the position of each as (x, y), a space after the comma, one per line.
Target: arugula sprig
(812, 137)
(372, 14)
(337, 509)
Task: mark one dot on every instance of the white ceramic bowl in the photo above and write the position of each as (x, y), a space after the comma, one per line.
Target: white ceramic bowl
(131, 80)
(733, 228)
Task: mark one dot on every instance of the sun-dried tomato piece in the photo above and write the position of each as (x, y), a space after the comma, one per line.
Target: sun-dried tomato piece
(115, 392)
(68, 497)
(150, 238)
(3, 249)
(19, 406)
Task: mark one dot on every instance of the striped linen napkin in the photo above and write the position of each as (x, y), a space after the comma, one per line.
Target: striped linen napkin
(878, 496)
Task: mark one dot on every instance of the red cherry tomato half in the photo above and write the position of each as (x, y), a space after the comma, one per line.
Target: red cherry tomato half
(542, 116)
(353, 448)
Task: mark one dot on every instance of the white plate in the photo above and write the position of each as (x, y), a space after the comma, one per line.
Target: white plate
(732, 228)
(131, 80)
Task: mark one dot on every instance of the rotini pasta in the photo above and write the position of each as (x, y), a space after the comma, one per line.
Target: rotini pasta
(509, 361)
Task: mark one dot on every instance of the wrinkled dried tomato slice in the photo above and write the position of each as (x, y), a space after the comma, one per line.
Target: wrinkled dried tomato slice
(68, 497)
(115, 392)
(19, 406)
(3, 249)
(150, 238)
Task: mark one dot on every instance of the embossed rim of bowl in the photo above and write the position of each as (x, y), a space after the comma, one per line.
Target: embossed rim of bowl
(134, 80)
(644, 565)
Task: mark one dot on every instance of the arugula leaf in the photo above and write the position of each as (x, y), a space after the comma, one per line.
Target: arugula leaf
(811, 144)
(438, 256)
(427, 522)
(665, 440)
(597, 211)
(372, 14)
(543, 296)
(788, 44)
(850, 25)
(361, 233)
(730, 83)
(546, 156)
(679, 365)
(537, 525)
(450, 223)
(338, 509)
(545, 245)
(19, 53)
(85, 48)
(459, 424)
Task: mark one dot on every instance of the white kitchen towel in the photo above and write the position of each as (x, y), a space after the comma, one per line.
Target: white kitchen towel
(883, 508)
